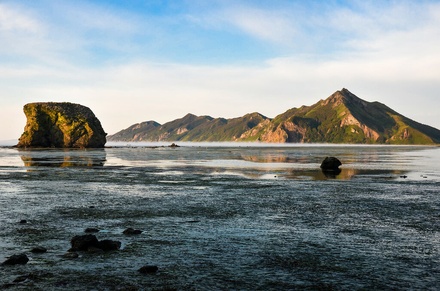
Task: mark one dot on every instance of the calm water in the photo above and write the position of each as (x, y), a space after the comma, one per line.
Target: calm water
(224, 216)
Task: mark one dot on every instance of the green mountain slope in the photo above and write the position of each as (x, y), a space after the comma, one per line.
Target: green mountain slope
(341, 118)
(136, 132)
(191, 128)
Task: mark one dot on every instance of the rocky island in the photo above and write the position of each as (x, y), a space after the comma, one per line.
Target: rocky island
(61, 125)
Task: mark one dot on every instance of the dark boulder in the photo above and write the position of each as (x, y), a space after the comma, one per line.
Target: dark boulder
(148, 269)
(20, 259)
(83, 242)
(330, 164)
(131, 231)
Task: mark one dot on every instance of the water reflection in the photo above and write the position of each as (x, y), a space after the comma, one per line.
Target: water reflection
(331, 174)
(268, 159)
(344, 174)
(63, 158)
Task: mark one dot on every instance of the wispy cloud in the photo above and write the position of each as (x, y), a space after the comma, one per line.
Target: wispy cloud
(13, 19)
(269, 25)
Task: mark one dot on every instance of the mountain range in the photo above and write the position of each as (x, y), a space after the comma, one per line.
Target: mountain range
(341, 118)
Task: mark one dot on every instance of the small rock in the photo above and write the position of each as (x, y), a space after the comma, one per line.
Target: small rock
(131, 231)
(39, 249)
(20, 259)
(109, 245)
(91, 229)
(23, 221)
(173, 145)
(148, 269)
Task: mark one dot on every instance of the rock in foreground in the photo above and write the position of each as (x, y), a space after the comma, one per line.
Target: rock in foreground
(61, 125)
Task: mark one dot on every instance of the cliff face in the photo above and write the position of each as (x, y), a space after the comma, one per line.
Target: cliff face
(61, 125)
(341, 118)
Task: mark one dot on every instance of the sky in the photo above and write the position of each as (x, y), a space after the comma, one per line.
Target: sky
(134, 61)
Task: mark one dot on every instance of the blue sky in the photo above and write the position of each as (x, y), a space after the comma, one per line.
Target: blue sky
(132, 61)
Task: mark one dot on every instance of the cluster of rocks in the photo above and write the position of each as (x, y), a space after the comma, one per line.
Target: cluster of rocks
(81, 243)
(90, 243)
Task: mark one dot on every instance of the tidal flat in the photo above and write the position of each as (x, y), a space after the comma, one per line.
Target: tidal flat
(223, 216)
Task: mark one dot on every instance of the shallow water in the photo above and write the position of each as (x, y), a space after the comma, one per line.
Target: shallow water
(224, 216)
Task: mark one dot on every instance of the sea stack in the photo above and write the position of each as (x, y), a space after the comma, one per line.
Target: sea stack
(61, 125)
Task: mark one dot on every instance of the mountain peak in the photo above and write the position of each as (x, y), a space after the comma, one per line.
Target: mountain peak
(341, 118)
(345, 97)
(344, 94)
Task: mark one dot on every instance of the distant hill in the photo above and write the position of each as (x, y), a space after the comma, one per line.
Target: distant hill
(341, 118)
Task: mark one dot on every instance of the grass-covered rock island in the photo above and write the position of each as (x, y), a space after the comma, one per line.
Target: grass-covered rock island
(61, 125)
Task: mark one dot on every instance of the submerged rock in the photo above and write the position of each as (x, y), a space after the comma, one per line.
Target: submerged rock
(23, 278)
(148, 269)
(61, 125)
(70, 255)
(91, 229)
(20, 259)
(132, 231)
(330, 164)
(39, 249)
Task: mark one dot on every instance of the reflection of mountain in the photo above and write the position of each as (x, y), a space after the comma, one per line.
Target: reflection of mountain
(63, 158)
(267, 159)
